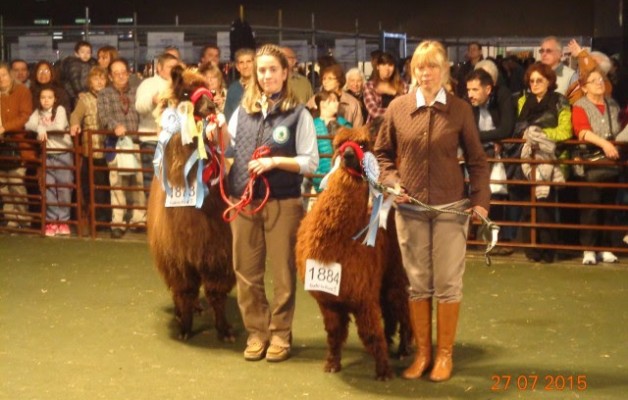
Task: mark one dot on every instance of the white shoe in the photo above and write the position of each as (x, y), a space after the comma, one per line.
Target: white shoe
(608, 257)
(588, 258)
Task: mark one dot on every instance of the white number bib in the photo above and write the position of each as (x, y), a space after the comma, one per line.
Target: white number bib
(178, 198)
(322, 277)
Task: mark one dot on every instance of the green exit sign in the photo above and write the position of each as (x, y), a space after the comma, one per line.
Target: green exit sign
(41, 21)
(82, 21)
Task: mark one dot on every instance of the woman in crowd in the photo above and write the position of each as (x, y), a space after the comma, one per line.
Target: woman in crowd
(269, 118)
(44, 75)
(216, 84)
(105, 55)
(333, 80)
(417, 152)
(385, 84)
(355, 87)
(543, 108)
(84, 119)
(15, 108)
(596, 121)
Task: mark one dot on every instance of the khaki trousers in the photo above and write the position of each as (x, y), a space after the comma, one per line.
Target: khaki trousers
(433, 247)
(119, 197)
(268, 236)
(15, 208)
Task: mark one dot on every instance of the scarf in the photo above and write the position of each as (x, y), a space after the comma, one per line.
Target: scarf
(544, 113)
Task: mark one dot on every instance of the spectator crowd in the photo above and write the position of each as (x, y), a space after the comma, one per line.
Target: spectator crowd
(544, 102)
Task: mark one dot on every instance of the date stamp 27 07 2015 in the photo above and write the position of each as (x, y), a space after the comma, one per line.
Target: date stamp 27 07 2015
(531, 382)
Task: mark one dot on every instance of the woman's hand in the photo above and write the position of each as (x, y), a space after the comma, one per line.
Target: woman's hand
(400, 194)
(574, 48)
(75, 130)
(261, 165)
(476, 211)
(385, 88)
(610, 150)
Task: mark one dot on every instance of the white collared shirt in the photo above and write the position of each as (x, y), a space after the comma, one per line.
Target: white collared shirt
(441, 97)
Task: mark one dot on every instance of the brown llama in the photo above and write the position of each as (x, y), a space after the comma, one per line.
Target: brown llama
(373, 282)
(190, 246)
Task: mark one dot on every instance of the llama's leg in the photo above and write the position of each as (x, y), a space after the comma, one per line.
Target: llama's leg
(218, 280)
(395, 311)
(185, 297)
(337, 327)
(368, 320)
(218, 299)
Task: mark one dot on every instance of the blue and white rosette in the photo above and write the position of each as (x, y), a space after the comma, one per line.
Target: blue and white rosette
(380, 207)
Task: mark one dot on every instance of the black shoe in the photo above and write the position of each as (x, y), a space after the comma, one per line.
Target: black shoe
(547, 257)
(117, 233)
(533, 256)
(138, 229)
(502, 251)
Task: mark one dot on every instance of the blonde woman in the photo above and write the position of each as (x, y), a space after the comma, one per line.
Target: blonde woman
(269, 115)
(216, 83)
(416, 149)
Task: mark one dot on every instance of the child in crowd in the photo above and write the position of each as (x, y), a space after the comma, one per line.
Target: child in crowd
(50, 116)
(84, 119)
(326, 124)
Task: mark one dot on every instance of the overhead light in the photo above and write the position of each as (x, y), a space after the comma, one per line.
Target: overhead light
(125, 20)
(82, 21)
(41, 21)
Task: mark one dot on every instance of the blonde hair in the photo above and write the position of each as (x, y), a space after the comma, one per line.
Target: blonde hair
(253, 92)
(431, 53)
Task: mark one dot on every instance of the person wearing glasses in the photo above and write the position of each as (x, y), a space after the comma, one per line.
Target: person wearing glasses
(543, 119)
(551, 53)
(44, 75)
(333, 80)
(596, 121)
(117, 113)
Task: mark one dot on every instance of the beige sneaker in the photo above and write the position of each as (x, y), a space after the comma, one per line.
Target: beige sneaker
(254, 350)
(276, 353)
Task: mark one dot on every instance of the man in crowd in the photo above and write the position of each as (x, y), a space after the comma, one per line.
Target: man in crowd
(300, 85)
(19, 70)
(146, 101)
(244, 66)
(494, 112)
(116, 112)
(551, 54)
(210, 55)
(474, 55)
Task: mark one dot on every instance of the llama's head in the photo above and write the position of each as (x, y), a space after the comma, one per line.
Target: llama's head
(189, 85)
(350, 145)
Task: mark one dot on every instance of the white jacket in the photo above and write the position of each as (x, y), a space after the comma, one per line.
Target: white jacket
(544, 149)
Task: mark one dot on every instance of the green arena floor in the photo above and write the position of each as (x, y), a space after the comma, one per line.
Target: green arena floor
(91, 319)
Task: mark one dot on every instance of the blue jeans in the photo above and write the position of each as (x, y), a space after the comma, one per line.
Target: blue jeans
(56, 195)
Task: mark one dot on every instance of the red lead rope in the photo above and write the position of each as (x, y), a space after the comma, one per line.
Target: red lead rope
(247, 196)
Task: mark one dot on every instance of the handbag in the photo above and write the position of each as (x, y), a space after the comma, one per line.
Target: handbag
(602, 173)
(10, 154)
(594, 173)
(498, 173)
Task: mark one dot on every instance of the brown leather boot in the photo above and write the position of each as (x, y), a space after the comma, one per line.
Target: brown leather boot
(421, 319)
(447, 320)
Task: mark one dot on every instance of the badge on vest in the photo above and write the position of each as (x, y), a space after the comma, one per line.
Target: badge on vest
(281, 134)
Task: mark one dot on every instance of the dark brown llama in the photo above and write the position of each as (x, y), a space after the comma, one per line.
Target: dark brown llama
(191, 247)
(373, 282)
